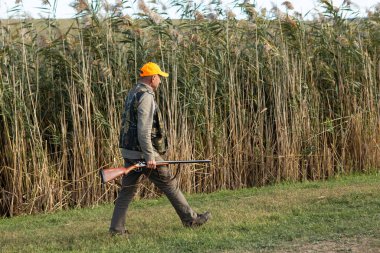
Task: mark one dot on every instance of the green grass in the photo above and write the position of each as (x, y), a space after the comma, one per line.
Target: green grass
(343, 212)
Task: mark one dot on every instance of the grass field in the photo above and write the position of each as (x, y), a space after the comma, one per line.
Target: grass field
(340, 215)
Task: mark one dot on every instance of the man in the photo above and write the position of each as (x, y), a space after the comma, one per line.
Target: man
(143, 137)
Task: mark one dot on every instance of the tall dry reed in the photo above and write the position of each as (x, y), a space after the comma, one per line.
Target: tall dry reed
(267, 99)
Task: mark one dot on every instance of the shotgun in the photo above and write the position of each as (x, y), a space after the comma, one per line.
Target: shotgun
(112, 173)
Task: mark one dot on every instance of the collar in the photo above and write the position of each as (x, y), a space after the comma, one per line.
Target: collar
(146, 86)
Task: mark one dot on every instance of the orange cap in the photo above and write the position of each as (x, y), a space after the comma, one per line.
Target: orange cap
(150, 69)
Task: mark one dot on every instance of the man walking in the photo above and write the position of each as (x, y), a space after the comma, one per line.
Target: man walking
(143, 138)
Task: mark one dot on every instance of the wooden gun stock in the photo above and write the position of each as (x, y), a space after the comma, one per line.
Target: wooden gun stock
(111, 173)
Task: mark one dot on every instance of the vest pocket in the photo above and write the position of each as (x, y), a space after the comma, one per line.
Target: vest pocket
(160, 144)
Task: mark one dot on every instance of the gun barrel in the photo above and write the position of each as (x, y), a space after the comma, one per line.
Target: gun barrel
(189, 161)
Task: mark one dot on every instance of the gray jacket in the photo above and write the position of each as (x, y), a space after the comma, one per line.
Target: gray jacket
(142, 134)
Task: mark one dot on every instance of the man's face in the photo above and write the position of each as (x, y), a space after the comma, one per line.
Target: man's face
(156, 80)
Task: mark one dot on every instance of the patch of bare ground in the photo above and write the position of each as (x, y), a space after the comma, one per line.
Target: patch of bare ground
(352, 245)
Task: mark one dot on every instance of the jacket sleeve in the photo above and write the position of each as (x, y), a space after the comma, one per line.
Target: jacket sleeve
(145, 113)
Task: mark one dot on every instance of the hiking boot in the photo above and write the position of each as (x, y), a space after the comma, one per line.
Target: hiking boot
(114, 232)
(199, 221)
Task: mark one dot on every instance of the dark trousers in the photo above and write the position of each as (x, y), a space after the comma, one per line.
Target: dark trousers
(161, 177)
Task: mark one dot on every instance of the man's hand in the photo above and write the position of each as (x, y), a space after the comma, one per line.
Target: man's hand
(151, 164)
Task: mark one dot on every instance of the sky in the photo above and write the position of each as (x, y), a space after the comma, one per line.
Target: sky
(35, 9)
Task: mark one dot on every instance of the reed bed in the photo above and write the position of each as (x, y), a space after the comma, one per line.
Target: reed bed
(267, 99)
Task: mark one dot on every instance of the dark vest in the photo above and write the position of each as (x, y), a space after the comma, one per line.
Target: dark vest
(128, 133)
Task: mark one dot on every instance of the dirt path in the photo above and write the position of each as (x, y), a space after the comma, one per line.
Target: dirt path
(352, 245)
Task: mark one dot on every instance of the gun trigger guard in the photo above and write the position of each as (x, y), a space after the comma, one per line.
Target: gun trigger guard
(140, 165)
